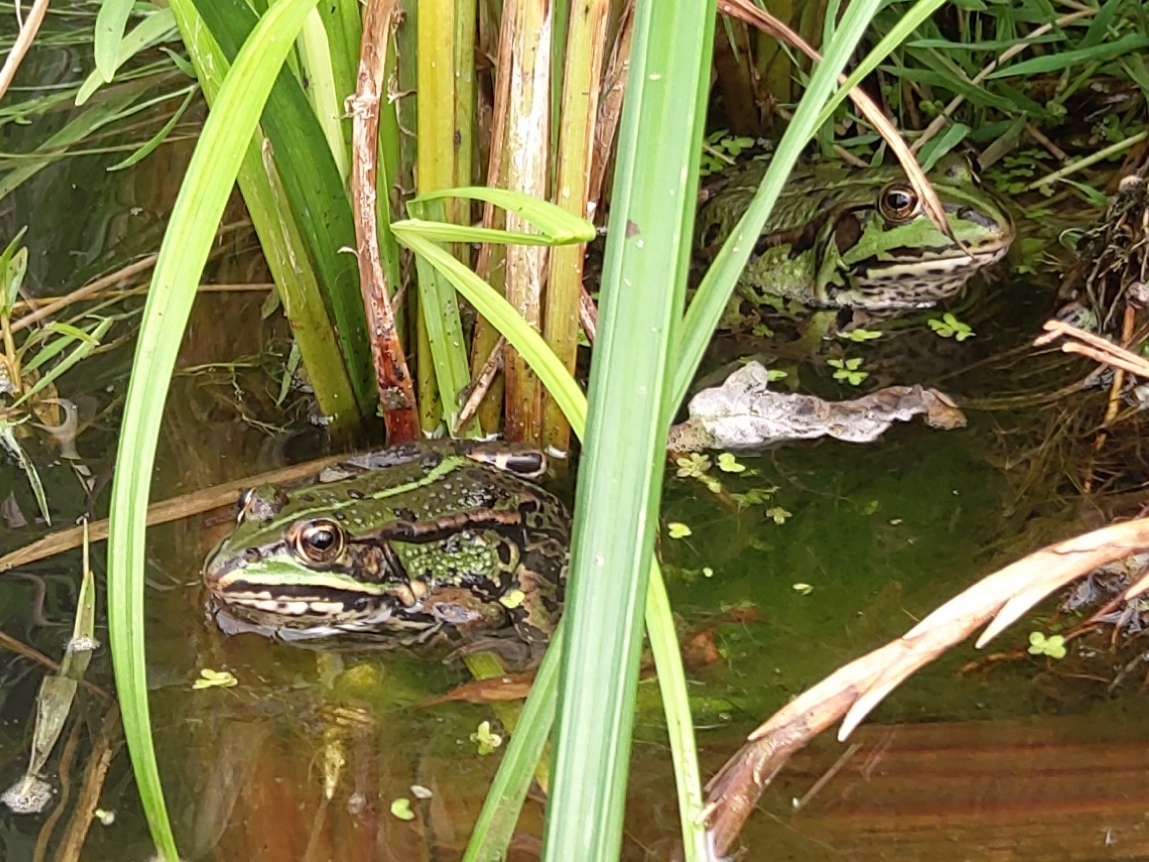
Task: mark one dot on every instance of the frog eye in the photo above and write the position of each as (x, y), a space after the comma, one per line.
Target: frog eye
(319, 541)
(899, 203)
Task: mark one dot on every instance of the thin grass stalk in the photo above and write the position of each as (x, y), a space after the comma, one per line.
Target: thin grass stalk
(396, 392)
(281, 241)
(527, 126)
(620, 480)
(560, 14)
(580, 99)
(203, 195)
(676, 706)
(495, 825)
(341, 22)
(491, 263)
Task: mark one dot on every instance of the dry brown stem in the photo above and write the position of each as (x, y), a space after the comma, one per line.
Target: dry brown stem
(396, 392)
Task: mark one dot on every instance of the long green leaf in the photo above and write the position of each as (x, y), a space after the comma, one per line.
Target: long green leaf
(187, 241)
(906, 25)
(88, 343)
(620, 476)
(559, 226)
(157, 27)
(1064, 59)
(110, 23)
(508, 321)
(496, 823)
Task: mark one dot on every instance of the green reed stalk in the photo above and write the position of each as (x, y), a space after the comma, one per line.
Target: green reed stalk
(281, 240)
(528, 122)
(584, 56)
(620, 479)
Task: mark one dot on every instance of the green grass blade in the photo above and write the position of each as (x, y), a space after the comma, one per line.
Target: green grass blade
(88, 343)
(906, 25)
(110, 23)
(159, 137)
(489, 303)
(676, 705)
(281, 241)
(74, 131)
(157, 27)
(9, 443)
(190, 232)
(1128, 43)
(558, 225)
(444, 332)
(620, 477)
(496, 823)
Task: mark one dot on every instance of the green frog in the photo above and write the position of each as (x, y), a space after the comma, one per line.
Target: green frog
(843, 237)
(415, 546)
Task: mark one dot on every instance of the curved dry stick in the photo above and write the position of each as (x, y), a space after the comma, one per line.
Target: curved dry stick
(852, 691)
(745, 10)
(396, 392)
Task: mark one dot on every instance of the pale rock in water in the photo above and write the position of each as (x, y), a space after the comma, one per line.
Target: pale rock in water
(743, 414)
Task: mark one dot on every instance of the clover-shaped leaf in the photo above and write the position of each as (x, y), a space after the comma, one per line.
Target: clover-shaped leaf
(677, 530)
(692, 466)
(859, 336)
(950, 327)
(727, 463)
(848, 370)
(778, 515)
(1053, 646)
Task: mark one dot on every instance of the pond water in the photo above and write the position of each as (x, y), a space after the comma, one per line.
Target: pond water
(843, 548)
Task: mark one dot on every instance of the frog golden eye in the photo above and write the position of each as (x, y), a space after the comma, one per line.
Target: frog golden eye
(319, 541)
(899, 203)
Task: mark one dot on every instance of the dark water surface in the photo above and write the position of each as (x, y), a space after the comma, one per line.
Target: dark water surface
(303, 759)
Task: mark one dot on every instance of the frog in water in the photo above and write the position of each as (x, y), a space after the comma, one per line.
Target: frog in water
(843, 237)
(414, 546)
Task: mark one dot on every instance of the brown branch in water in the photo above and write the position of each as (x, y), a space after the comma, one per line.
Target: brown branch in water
(1094, 346)
(854, 690)
(396, 392)
(88, 799)
(163, 512)
(745, 10)
(23, 43)
(87, 291)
